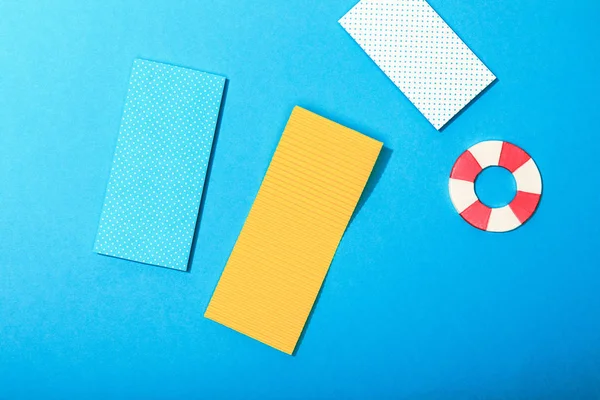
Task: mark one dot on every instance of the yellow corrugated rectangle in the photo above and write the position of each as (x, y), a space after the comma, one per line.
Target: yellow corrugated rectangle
(302, 209)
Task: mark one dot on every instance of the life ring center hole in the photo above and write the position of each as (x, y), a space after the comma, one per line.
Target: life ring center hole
(495, 187)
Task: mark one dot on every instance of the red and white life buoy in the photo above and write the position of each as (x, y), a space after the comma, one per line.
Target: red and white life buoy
(503, 154)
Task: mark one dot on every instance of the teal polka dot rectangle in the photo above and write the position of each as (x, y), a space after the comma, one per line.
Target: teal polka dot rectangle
(160, 163)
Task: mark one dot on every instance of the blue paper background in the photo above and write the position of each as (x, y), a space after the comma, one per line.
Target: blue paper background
(417, 304)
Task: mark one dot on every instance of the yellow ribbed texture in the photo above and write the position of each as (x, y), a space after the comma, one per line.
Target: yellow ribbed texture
(282, 255)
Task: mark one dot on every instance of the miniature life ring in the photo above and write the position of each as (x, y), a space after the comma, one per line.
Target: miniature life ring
(502, 154)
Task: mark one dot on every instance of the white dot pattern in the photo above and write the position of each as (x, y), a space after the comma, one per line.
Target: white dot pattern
(156, 183)
(420, 53)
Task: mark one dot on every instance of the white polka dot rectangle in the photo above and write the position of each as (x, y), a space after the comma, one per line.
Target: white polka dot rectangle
(160, 163)
(420, 53)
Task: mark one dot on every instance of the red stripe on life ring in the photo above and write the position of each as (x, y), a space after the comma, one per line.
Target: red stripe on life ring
(478, 215)
(466, 168)
(512, 157)
(524, 205)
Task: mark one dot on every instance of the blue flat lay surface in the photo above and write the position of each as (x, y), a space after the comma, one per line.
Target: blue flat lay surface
(417, 303)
